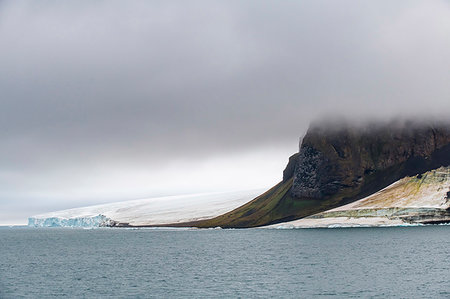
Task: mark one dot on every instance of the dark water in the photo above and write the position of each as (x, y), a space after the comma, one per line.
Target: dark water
(409, 262)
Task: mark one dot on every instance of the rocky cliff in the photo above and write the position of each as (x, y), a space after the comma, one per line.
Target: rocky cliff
(336, 157)
(339, 163)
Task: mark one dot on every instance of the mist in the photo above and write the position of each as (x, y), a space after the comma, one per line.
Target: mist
(110, 100)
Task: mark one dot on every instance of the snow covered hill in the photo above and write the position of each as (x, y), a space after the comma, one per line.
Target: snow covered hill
(153, 211)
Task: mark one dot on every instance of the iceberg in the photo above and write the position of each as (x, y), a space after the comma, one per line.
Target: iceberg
(158, 211)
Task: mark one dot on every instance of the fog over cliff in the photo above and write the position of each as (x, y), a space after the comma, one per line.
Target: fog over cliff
(116, 100)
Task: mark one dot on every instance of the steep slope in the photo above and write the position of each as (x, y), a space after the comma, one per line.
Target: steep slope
(424, 198)
(339, 163)
(340, 156)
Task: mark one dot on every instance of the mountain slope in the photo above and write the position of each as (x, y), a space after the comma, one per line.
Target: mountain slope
(424, 198)
(340, 163)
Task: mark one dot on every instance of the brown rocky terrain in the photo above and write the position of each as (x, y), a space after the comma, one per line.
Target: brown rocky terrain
(421, 199)
(339, 163)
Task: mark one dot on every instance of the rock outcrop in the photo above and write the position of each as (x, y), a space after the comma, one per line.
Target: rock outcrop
(340, 163)
(333, 158)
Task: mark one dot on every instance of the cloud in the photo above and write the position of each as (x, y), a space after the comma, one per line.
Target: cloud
(90, 89)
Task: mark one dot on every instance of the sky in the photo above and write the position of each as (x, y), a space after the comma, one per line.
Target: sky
(106, 101)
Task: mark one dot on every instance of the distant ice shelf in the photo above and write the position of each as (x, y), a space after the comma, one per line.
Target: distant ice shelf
(152, 211)
(94, 221)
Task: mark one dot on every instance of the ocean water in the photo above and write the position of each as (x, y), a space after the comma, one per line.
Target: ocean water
(403, 262)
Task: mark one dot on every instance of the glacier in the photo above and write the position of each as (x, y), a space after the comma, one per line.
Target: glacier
(94, 221)
(157, 211)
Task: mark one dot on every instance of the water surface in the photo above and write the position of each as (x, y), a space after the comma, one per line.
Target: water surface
(412, 262)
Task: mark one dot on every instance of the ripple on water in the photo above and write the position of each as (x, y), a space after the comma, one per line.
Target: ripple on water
(364, 262)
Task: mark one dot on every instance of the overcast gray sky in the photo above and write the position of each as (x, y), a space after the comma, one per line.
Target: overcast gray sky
(114, 100)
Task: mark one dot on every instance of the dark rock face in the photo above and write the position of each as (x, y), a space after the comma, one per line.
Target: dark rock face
(311, 170)
(339, 164)
(288, 172)
(333, 157)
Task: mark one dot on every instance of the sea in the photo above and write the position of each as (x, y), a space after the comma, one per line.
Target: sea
(386, 262)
